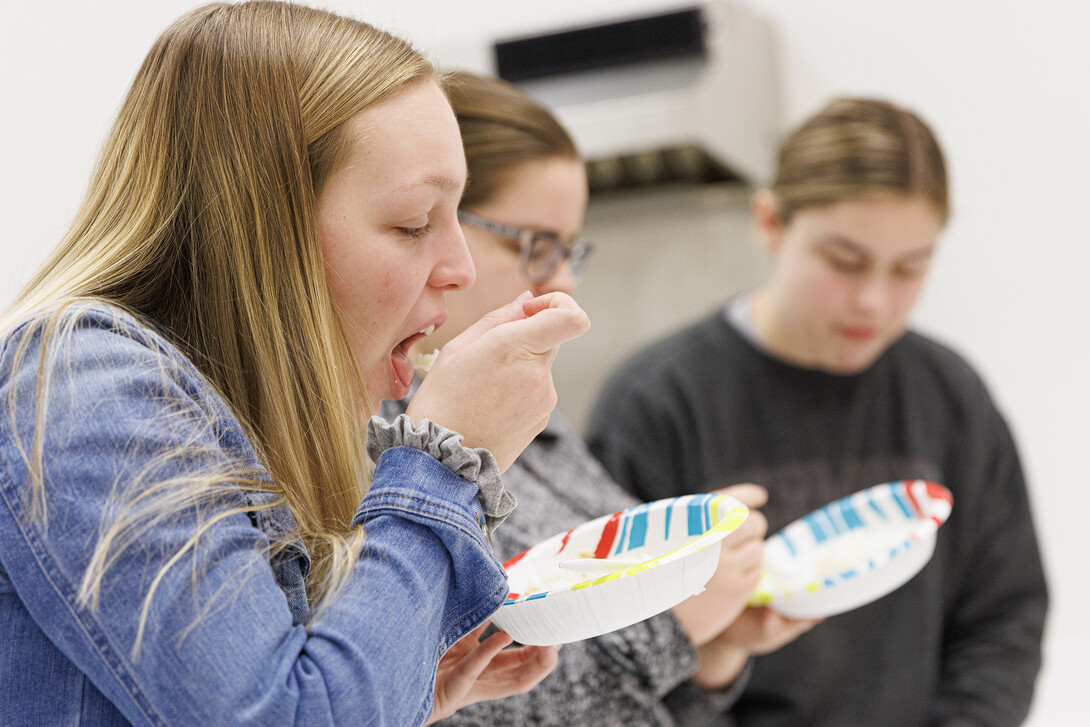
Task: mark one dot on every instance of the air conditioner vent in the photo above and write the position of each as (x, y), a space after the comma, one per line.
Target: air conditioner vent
(690, 95)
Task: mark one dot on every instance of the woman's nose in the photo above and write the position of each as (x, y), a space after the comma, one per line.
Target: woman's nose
(454, 270)
(561, 281)
(873, 293)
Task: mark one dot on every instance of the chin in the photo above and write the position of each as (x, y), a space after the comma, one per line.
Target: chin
(859, 362)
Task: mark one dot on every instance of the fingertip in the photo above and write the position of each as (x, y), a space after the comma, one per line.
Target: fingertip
(759, 494)
(550, 656)
(749, 494)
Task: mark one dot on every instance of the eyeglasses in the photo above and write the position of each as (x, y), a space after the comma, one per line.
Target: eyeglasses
(540, 253)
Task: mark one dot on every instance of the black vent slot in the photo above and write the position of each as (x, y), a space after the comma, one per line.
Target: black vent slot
(660, 37)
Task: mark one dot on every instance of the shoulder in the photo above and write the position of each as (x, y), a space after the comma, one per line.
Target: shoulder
(97, 372)
(928, 361)
(82, 331)
(95, 346)
(944, 386)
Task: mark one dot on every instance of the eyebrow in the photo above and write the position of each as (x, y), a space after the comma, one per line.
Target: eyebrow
(445, 184)
(921, 254)
(851, 246)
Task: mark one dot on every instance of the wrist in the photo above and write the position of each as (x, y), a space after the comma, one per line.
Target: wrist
(720, 664)
(476, 465)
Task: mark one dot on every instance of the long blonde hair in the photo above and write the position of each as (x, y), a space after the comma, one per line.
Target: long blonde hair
(201, 218)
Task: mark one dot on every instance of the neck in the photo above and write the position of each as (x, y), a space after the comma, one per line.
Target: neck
(772, 333)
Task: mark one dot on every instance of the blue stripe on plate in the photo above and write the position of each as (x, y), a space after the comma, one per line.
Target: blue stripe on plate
(788, 543)
(696, 517)
(815, 529)
(851, 517)
(624, 531)
(900, 500)
(638, 535)
(669, 512)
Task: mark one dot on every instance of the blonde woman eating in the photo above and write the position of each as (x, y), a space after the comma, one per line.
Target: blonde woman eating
(192, 530)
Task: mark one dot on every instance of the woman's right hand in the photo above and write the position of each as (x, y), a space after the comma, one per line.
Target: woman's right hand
(724, 629)
(724, 597)
(476, 671)
(493, 383)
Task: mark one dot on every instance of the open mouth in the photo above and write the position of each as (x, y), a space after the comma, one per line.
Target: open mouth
(401, 368)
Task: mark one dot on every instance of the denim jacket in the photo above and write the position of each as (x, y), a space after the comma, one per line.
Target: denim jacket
(227, 637)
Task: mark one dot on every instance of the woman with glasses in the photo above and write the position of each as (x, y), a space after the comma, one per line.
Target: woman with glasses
(522, 213)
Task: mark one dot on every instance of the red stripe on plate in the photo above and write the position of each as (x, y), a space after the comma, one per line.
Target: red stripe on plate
(605, 543)
(515, 559)
(564, 541)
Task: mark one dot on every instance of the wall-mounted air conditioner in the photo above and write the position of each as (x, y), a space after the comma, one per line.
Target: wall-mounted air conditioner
(688, 94)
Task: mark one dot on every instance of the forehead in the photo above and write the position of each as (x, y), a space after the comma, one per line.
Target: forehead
(408, 139)
(545, 194)
(880, 227)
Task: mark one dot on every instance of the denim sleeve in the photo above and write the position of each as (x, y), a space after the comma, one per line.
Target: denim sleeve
(219, 645)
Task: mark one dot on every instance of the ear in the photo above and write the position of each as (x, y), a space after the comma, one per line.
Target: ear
(769, 226)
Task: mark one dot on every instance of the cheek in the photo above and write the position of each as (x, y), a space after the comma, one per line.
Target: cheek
(498, 278)
(905, 297)
(391, 293)
(366, 286)
(821, 291)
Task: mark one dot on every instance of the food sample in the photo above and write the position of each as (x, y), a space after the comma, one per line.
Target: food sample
(425, 360)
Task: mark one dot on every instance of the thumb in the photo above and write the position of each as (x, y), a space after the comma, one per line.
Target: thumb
(747, 493)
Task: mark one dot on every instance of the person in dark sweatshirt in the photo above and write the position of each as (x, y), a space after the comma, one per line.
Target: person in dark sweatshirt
(814, 386)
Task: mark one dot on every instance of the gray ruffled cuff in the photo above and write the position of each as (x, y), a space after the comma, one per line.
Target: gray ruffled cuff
(476, 465)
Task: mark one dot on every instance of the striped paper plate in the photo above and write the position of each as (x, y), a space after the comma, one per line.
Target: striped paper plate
(854, 550)
(667, 542)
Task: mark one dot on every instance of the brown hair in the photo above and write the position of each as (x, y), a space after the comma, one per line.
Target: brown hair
(502, 128)
(201, 217)
(855, 148)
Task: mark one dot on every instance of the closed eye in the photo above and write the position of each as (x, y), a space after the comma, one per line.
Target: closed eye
(415, 233)
(845, 265)
(910, 272)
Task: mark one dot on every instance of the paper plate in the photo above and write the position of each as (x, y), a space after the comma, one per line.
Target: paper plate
(852, 551)
(666, 540)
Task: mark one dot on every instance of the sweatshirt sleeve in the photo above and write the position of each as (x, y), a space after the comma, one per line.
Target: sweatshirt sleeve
(992, 642)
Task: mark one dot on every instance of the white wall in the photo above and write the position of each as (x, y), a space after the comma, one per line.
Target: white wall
(1003, 82)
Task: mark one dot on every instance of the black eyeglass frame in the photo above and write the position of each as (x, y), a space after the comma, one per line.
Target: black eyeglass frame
(576, 252)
